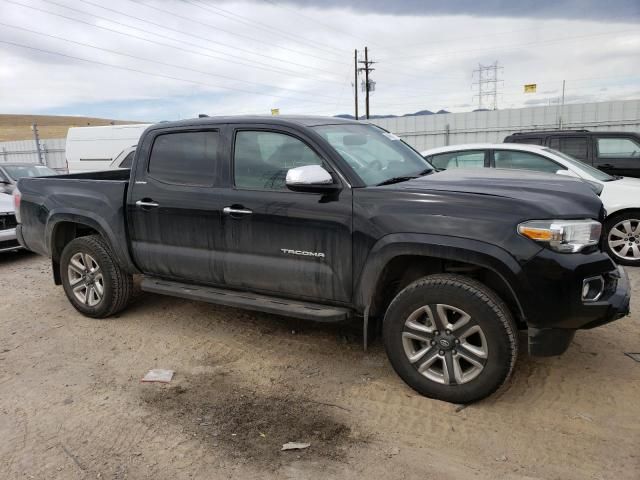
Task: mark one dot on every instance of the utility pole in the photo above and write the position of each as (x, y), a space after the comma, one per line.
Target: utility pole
(355, 83)
(561, 107)
(488, 85)
(369, 85)
(36, 138)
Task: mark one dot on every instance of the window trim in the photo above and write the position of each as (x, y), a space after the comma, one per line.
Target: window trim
(176, 132)
(493, 160)
(247, 128)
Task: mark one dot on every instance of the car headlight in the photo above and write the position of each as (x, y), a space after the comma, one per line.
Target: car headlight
(567, 236)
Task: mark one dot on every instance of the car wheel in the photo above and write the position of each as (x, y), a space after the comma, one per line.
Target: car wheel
(451, 338)
(623, 237)
(93, 282)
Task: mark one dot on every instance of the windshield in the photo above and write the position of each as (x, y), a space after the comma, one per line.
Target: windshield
(17, 172)
(375, 155)
(588, 169)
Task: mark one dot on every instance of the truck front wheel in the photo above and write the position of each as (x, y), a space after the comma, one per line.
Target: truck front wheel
(451, 338)
(92, 280)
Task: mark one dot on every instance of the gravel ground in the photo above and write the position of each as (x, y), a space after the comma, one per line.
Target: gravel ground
(72, 405)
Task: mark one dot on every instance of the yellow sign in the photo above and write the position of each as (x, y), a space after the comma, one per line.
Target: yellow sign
(530, 88)
(275, 111)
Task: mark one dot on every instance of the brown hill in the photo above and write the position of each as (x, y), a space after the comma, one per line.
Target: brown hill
(18, 127)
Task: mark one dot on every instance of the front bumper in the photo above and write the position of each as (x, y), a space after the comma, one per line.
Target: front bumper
(553, 303)
(9, 240)
(546, 342)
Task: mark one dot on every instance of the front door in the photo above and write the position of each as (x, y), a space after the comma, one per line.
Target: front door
(618, 155)
(175, 206)
(278, 241)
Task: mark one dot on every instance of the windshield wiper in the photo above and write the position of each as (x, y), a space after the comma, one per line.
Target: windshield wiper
(404, 178)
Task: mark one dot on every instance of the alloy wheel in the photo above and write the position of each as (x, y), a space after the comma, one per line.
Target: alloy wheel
(624, 239)
(444, 344)
(86, 279)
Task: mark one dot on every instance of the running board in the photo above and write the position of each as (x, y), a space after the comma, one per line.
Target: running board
(246, 300)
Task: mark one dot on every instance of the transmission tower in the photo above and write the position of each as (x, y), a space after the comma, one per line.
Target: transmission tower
(487, 81)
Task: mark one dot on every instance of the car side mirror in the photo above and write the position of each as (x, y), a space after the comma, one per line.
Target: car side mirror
(568, 173)
(311, 179)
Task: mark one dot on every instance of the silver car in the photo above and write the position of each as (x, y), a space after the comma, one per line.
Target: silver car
(8, 239)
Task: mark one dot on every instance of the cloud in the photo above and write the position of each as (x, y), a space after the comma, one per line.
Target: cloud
(167, 59)
(620, 10)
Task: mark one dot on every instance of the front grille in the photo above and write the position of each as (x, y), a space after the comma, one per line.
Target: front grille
(7, 221)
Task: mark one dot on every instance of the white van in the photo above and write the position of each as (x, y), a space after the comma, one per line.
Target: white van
(94, 148)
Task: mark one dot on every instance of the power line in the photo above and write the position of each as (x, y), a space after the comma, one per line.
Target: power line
(327, 26)
(170, 29)
(255, 64)
(181, 67)
(488, 85)
(510, 47)
(208, 25)
(158, 75)
(247, 21)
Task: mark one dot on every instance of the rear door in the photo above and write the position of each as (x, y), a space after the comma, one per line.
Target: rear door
(175, 206)
(278, 241)
(618, 154)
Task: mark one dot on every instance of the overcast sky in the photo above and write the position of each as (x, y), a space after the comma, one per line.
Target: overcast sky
(167, 59)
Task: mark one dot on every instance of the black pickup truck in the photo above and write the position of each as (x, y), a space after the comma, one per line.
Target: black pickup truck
(327, 219)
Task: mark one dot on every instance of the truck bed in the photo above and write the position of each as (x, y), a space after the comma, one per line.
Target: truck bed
(95, 199)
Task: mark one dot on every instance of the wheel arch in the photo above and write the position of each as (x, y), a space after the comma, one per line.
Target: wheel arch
(62, 228)
(397, 260)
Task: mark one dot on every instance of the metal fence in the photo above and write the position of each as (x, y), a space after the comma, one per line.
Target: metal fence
(52, 151)
(429, 131)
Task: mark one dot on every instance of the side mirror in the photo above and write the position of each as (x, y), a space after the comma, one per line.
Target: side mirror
(568, 173)
(311, 179)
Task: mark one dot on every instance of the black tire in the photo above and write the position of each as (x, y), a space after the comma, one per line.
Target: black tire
(611, 222)
(116, 284)
(485, 309)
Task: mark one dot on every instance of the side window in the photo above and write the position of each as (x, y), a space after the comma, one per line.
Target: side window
(528, 141)
(185, 158)
(468, 159)
(524, 161)
(610, 147)
(262, 159)
(575, 147)
(128, 160)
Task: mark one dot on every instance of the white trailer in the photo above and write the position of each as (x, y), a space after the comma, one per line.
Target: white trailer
(95, 148)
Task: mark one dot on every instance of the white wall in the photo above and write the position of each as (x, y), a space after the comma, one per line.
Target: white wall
(429, 131)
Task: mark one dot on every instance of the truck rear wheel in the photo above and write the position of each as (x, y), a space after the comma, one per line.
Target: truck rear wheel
(451, 338)
(93, 282)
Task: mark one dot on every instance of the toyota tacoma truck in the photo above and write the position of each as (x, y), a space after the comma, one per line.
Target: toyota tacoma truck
(327, 219)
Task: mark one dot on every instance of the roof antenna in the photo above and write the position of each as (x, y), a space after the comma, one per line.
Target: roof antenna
(203, 115)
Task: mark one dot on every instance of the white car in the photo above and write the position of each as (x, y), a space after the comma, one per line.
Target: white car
(620, 195)
(8, 239)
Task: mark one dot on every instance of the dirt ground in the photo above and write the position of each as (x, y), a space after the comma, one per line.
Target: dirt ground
(72, 405)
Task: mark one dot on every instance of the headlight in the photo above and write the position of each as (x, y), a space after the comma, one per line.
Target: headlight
(568, 236)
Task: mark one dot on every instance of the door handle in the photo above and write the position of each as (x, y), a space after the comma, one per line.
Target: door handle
(236, 211)
(146, 204)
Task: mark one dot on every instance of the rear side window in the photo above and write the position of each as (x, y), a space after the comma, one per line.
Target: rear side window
(576, 147)
(468, 159)
(185, 158)
(528, 141)
(618, 148)
(524, 161)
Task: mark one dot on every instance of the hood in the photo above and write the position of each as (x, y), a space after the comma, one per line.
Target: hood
(562, 196)
(6, 203)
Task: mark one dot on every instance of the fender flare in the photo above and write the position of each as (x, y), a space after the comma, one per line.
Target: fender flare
(98, 224)
(444, 247)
